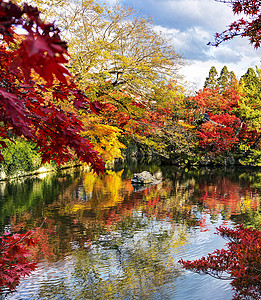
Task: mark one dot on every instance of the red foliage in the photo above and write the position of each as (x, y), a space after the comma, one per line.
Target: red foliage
(25, 109)
(14, 262)
(241, 261)
(138, 117)
(227, 197)
(248, 26)
(220, 135)
(44, 248)
(222, 131)
(210, 100)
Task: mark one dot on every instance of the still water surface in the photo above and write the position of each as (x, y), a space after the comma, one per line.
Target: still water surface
(101, 238)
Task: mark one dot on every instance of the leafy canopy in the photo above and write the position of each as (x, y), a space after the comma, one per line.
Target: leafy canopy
(25, 109)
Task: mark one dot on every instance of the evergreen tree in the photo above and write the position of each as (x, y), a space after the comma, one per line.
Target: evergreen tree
(250, 109)
(250, 106)
(232, 79)
(224, 79)
(211, 80)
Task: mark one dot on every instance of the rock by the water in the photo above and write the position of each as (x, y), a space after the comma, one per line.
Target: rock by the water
(144, 178)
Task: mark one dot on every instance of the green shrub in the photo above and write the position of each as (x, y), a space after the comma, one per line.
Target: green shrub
(20, 157)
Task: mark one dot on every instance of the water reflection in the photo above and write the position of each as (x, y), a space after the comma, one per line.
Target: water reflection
(102, 240)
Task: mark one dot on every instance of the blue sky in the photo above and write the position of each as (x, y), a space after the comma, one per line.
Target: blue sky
(191, 24)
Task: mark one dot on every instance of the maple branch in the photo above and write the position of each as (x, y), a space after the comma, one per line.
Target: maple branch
(25, 108)
(27, 235)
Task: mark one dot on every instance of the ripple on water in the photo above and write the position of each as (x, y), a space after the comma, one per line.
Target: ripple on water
(45, 282)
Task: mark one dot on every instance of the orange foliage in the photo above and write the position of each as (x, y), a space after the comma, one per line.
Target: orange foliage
(227, 197)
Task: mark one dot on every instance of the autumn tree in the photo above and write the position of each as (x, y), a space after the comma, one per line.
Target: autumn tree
(121, 61)
(248, 26)
(128, 67)
(213, 114)
(28, 108)
(113, 44)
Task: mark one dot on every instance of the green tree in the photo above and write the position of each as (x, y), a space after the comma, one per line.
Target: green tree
(224, 78)
(211, 80)
(250, 106)
(20, 156)
(250, 111)
(233, 82)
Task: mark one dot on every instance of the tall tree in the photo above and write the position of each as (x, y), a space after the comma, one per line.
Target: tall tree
(224, 79)
(113, 45)
(233, 80)
(211, 80)
(250, 104)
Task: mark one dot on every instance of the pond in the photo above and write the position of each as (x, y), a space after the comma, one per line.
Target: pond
(100, 238)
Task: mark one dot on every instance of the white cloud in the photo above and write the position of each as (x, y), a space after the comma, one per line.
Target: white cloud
(192, 43)
(226, 55)
(184, 13)
(190, 25)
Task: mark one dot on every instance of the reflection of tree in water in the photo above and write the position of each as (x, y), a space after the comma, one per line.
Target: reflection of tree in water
(249, 218)
(228, 197)
(233, 193)
(83, 206)
(118, 242)
(115, 269)
(97, 204)
(118, 239)
(124, 264)
(26, 195)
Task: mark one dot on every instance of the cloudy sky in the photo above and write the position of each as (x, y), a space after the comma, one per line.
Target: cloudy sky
(191, 24)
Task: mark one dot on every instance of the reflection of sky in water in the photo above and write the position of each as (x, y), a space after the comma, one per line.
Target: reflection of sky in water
(112, 253)
(114, 243)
